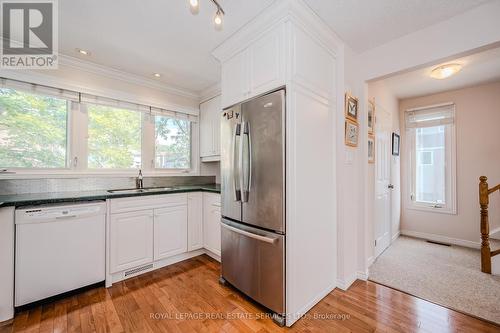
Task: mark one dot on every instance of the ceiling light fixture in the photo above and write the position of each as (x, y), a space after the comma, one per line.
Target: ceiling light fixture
(218, 19)
(194, 7)
(157, 75)
(84, 52)
(445, 71)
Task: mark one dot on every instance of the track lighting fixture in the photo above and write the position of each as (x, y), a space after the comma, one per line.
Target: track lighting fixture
(194, 7)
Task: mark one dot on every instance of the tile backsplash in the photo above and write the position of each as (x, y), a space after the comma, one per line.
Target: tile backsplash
(43, 185)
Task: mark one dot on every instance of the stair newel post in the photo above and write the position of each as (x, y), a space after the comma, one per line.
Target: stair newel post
(485, 229)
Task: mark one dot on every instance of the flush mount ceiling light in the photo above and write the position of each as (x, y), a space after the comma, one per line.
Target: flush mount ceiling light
(84, 52)
(445, 71)
(157, 75)
(194, 7)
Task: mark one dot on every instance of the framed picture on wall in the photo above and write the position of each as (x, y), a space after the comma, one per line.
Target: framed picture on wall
(371, 148)
(351, 107)
(371, 116)
(351, 133)
(395, 144)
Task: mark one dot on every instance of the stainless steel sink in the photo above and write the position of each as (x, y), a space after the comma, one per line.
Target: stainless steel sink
(141, 190)
(158, 189)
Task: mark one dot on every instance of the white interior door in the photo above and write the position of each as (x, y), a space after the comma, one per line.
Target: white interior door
(382, 182)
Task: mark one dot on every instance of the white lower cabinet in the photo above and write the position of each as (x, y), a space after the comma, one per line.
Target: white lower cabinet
(195, 221)
(131, 238)
(170, 231)
(211, 222)
(167, 226)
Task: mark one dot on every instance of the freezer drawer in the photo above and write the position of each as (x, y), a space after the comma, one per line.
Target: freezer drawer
(253, 262)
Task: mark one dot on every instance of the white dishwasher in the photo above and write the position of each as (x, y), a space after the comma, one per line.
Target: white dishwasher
(58, 249)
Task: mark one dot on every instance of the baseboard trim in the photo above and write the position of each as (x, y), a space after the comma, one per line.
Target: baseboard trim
(345, 284)
(495, 233)
(362, 275)
(212, 255)
(442, 239)
(395, 236)
(293, 317)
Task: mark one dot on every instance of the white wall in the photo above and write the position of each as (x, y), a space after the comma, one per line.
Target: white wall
(478, 28)
(478, 154)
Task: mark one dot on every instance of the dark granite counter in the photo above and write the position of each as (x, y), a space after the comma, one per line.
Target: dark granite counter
(31, 199)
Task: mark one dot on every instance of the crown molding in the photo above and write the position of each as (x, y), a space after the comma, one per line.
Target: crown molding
(296, 11)
(210, 92)
(112, 73)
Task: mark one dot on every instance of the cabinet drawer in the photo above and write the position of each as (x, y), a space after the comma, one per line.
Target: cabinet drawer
(131, 204)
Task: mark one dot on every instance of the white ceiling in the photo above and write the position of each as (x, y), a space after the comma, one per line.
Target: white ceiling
(365, 24)
(477, 68)
(162, 36)
(153, 36)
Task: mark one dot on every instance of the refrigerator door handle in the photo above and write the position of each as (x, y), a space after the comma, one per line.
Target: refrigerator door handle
(247, 163)
(236, 158)
(269, 240)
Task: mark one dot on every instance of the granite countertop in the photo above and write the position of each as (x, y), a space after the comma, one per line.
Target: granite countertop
(30, 199)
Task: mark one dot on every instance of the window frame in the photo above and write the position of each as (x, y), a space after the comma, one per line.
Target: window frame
(77, 149)
(450, 206)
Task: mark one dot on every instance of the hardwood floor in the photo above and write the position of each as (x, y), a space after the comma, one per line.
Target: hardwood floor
(186, 297)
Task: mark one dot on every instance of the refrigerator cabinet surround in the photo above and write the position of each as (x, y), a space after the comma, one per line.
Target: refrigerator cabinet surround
(254, 262)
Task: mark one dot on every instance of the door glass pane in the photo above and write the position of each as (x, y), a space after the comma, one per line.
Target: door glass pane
(114, 138)
(172, 143)
(430, 164)
(33, 130)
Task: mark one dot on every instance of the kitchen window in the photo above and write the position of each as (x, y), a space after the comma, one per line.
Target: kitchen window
(52, 131)
(33, 130)
(114, 138)
(431, 140)
(172, 143)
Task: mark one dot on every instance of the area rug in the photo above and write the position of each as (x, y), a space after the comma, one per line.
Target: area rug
(447, 275)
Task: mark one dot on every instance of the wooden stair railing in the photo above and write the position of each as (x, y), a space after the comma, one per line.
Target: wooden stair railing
(484, 200)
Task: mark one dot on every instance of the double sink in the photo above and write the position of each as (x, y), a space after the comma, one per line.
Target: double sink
(142, 190)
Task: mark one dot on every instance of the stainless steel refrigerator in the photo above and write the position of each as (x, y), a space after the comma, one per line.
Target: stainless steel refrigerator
(253, 198)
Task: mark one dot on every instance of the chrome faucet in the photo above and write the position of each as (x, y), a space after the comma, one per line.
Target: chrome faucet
(139, 180)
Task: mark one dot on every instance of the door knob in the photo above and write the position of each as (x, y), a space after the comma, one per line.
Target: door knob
(390, 186)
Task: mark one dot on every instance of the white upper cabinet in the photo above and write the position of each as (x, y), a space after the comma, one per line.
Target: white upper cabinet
(254, 70)
(170, 231)
(131, 240)
(210, 129)
(265, 63)
(195, 221)
(234, 82)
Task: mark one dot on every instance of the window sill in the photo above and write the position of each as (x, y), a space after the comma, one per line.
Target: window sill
(65, 173)
(430, 209)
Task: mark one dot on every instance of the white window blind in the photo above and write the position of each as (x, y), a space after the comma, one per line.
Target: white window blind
(438, 115)
(39, 89)
(76, 96)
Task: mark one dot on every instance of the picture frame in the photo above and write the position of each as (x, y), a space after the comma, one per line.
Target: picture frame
(371, 116)
(351, 107)
(396, 143)
(351, 133)
(371, 148)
